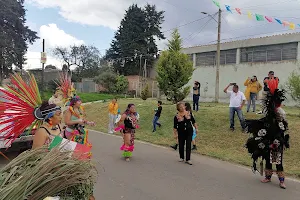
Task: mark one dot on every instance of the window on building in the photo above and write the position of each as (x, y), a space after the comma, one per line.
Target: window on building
(209, 58)
(269, 53)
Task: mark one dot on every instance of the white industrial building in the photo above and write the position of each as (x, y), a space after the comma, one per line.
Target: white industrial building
(245, 58)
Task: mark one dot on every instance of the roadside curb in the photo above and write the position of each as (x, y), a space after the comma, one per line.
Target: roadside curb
(163, 147)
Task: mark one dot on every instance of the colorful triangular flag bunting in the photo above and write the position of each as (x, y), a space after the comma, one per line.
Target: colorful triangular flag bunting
(259, 17)
(238, 10)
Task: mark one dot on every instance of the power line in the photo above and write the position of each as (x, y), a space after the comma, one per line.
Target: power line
(201, 29)
(188, 23)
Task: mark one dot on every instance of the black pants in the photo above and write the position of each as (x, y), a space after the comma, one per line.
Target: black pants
(269, 166)
(185, 137)
(196, 102)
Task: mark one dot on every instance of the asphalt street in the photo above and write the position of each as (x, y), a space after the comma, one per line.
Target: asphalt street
(154, 173)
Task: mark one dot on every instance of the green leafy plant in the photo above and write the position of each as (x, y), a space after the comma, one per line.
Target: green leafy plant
(174, 70)
(293, 86)
(121, 85)
(145, 92)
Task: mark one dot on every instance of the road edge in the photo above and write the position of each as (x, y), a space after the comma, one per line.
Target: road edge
(209, 157)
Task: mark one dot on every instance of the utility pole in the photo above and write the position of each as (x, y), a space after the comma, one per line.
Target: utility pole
(217, 90)
(43, 65)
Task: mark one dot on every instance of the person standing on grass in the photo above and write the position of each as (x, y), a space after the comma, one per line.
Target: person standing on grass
(252, 90)
(157, 116)
(266, 87)
(237, 101)
(183, 126)
(189, 109)
(196, 95)
(112, 114)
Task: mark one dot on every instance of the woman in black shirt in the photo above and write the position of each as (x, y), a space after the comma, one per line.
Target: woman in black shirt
(183, 126)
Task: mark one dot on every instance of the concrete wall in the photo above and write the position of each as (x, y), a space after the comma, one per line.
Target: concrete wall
(239, 72)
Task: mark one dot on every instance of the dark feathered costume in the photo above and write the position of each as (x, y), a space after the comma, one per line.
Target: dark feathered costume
(268, 134)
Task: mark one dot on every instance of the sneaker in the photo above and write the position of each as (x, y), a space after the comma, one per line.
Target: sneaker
(194, 148)
(282, 185)
(181, 160)
(153, 131)
(127, 159)
(266, 180)
(189, 162)
(110, 132)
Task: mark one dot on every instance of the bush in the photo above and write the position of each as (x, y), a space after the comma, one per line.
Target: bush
(121, 85)
(293, 86)
(145, 92)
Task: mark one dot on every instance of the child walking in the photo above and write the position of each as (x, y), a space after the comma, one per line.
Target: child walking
(157, 116)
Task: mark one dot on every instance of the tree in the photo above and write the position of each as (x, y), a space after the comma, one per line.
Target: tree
(293, 86)
(51, 67)
(107, 79)
(121, 85)
(15, 36)
(174, 70)
(135, 37)
(86, 59)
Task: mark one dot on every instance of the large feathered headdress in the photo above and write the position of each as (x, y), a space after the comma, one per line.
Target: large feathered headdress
(66, 87)
(22, 105)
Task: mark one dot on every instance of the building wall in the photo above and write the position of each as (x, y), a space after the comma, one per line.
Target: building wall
(239, 72)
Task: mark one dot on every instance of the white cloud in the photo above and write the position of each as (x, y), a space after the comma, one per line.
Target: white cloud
(57, 37)
(107, 13)
(53, 37)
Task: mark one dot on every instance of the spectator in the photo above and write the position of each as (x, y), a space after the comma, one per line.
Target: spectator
(252, 90)
(237, 101)
(55, 98)
(266, 87)
(196, 95)
(189, 109)
(157, 116)
(112, 113)
(183, 127)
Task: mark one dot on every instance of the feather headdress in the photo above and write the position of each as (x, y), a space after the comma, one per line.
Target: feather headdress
(22, 100)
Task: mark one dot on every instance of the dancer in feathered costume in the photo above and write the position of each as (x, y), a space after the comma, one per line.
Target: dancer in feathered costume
(269, 135)
(130, 118)
(66, 87)
(24, 108)
(75, 119)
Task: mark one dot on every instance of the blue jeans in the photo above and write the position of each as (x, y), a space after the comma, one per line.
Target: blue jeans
(155, 122)
(196, 102)
(252, 101)
(232, 111)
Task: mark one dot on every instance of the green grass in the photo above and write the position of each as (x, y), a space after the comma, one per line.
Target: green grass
(85, 97)
(214, 137)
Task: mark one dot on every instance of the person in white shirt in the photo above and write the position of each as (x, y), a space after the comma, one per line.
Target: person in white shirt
(55, 98)
(237, 101)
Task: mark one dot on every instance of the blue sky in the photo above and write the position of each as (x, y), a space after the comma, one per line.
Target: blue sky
(98, 36)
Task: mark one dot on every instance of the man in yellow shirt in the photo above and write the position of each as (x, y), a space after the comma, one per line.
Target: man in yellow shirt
(112, 114)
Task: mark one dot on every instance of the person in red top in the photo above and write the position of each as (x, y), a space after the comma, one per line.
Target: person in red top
(266, 88)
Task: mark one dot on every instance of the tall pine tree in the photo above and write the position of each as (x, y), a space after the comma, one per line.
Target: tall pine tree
(136, 36)
(15, 35)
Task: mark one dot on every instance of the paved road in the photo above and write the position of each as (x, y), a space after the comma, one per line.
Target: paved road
(155, 174)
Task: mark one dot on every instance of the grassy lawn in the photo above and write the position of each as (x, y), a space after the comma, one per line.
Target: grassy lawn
(214, 137)
(85, 97)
